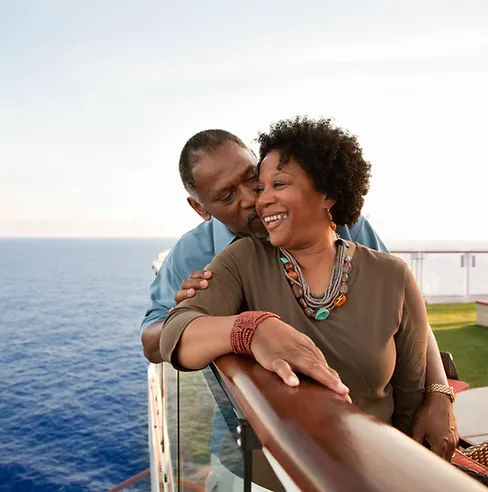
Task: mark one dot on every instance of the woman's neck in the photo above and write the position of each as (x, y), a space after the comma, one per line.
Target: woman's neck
(319, 255)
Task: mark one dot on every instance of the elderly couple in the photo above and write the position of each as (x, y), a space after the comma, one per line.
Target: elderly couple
(285, 238)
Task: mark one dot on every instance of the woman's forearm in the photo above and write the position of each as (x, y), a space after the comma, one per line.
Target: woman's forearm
(435, 369)
(204, 340)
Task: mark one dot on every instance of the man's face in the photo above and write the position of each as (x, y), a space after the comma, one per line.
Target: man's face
(226, 185)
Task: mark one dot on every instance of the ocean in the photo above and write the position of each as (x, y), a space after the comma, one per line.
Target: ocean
(73, 404)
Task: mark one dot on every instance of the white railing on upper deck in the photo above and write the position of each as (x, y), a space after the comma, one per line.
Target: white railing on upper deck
(449, 275)
(442, 275)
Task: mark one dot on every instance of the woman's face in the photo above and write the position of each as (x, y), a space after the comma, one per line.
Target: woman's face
(293, 211)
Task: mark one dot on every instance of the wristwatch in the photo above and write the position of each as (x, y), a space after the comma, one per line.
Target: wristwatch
(441, 388)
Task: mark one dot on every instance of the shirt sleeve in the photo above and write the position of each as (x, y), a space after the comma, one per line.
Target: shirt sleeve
(161, 292)
(408, 379)
(223, 297)
(363, 233)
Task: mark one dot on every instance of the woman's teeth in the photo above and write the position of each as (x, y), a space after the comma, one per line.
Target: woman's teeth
(273, 218)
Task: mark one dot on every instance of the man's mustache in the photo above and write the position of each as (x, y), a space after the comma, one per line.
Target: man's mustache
(252, 217)
(258, 230)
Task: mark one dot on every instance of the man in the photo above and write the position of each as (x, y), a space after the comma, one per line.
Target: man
(219, 174)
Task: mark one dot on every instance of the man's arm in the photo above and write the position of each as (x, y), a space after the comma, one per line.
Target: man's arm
(161, 301)
(150, 341)
(151, 334)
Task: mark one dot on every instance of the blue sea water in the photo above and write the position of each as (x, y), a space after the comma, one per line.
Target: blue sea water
(73, 401)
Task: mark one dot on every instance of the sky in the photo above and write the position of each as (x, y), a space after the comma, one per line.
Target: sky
(97, 98)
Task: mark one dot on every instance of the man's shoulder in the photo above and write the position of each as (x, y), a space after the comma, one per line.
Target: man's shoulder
(201, 233)
(362, 232)
(193, 251)
(379, 259)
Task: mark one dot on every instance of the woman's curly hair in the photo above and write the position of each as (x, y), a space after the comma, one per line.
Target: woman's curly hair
(330, 155)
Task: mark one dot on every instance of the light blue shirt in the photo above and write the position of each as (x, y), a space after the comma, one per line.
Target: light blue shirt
(196, 249)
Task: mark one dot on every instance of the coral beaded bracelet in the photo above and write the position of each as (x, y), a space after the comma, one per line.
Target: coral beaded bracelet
(243, 330)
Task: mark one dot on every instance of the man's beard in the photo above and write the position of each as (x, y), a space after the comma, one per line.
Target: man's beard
(256, 227)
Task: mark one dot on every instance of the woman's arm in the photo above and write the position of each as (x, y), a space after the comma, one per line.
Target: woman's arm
(435, 369)
(198, 330)
(204, 340)
(277, 346)
(411, 340)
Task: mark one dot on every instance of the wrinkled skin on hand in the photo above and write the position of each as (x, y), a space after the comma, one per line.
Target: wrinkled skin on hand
(279, 348)
(435, 422)
(196, 281)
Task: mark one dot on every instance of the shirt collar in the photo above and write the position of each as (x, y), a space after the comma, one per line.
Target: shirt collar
(222, 235)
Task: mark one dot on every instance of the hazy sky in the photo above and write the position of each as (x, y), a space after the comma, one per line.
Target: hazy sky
(97, 99)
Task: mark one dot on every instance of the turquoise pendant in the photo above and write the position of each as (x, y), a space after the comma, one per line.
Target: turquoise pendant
(284, 260)
(322, 313)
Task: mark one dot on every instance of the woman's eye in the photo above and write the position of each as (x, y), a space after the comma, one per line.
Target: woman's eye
(278, 184)
(259, 190)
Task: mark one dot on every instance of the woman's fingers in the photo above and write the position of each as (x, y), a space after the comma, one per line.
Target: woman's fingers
(321, 372)
(283, 369)
(280, 348)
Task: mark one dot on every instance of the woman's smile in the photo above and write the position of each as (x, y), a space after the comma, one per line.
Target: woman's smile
(272, 221)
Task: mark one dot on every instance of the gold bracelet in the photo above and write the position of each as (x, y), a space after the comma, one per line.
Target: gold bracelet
(441, 388)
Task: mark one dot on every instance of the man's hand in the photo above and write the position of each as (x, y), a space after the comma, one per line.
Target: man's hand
(435, 422)
(280, 348)
(196, 281)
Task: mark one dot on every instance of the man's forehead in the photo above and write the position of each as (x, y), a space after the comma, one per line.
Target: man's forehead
(215, 169)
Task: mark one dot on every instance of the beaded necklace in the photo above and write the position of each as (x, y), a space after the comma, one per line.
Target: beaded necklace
(320, 306)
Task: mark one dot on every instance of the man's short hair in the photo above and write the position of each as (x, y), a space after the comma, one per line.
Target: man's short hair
(205, 141)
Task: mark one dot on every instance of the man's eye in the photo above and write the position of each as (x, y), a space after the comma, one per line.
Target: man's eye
(227, 198)
(252, 177)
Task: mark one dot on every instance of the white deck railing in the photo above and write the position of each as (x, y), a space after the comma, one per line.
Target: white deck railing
(442, 275)
(449, 276)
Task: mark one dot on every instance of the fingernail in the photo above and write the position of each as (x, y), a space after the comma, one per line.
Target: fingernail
(343, 387)
(293, 381)
(190, 292)
(207, 274)
(203, 284)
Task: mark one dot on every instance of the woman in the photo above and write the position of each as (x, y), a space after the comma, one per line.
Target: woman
(307, 293)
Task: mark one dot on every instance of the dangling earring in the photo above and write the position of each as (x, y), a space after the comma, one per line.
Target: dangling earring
(333, 225)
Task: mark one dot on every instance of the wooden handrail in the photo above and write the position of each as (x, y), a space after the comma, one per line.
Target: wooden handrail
(324, 443)
(439, 251)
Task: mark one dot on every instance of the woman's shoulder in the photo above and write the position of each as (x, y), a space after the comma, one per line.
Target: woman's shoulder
(371, 258)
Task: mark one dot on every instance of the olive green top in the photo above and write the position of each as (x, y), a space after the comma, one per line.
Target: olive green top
(376, 341)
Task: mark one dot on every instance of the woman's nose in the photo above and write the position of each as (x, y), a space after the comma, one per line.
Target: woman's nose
(266, 197)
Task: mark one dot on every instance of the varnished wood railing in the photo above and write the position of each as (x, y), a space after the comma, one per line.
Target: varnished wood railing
(325, 444)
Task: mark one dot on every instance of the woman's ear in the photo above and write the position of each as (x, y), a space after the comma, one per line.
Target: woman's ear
(199, 208)
(328, 202)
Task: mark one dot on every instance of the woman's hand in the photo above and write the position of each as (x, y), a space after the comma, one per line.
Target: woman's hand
(279, 348)
(435, 422)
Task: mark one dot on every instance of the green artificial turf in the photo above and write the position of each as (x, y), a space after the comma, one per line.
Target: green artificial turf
(456, 331)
